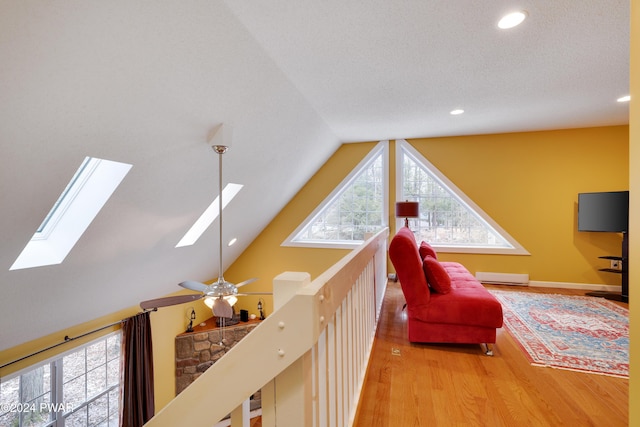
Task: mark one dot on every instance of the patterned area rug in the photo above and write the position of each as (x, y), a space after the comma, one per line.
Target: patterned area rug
(569, 332)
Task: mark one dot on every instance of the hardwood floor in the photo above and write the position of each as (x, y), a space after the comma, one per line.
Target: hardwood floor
(456, 385)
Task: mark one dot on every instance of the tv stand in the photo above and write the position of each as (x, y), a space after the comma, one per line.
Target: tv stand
(624, 295)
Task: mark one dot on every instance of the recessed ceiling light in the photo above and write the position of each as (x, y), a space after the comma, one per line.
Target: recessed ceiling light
(232, 241)
(456, 112)
(625, 98)
(512, 20)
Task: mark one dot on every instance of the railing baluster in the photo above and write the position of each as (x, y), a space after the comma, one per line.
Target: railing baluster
(309, 356)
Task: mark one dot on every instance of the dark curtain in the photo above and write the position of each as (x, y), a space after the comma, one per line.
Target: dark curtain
(137, 384)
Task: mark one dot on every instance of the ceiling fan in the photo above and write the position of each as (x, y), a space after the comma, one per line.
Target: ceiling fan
(215, 295)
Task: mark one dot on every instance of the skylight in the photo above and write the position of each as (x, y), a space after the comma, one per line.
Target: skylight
(209, 215)
(83, 197)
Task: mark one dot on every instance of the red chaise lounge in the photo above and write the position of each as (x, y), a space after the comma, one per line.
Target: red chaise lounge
(445, 303)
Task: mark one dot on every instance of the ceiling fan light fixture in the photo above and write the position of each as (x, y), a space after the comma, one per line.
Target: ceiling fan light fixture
(220, 296)
(221, 288)
(222, 308)
(231, 299)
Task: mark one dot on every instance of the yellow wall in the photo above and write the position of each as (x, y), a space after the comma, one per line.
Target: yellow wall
(529, 184)
(634, 243)
(265, 258)
(22, 350)
(165, 324)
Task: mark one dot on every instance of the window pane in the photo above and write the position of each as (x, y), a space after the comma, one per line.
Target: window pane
(99, 410)
(77, 419)
(9, 418)
(113, 347)
(114, 403)
(10, 391)
(39, 417)
(74, 393)
(36, 383)
(113, 372)
(96, 381)
(96, 355)
(74, 365)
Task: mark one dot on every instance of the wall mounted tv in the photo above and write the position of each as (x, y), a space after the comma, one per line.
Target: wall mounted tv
(606, 211)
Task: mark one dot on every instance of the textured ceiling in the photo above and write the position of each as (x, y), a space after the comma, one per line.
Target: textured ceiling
(389, 69)
(144, 83)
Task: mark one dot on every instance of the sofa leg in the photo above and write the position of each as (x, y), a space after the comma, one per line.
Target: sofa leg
(486, 347)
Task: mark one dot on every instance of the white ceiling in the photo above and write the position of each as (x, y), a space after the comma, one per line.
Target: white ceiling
(143, 83)
(388, 69)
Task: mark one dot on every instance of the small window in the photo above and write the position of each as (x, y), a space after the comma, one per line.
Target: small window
(87, 192)
(80, 388)
(356, 208)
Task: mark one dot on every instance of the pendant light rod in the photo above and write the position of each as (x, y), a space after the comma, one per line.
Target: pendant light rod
(220, 149)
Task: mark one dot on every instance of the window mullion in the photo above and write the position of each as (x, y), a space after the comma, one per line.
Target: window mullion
(56, 389)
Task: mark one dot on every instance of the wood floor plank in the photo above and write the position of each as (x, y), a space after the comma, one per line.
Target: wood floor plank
(451, 385)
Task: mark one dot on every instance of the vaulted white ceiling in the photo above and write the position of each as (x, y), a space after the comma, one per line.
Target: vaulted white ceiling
(144, 83)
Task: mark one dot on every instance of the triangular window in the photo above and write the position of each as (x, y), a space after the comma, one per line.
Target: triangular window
(355, 209)
(448, 220)
(82, 199)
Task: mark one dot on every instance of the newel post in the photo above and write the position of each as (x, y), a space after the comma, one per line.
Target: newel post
(283, 398)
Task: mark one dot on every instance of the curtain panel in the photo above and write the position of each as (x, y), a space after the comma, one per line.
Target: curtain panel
(137, 392)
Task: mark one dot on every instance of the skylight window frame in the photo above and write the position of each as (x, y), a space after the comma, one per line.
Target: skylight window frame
(210, 214)
(91, 186)
(73, 188)
(404, 148)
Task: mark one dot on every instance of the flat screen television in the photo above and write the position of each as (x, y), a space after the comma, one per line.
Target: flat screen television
(606, 211)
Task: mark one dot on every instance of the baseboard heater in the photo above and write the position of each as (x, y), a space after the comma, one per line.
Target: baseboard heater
(513, 279)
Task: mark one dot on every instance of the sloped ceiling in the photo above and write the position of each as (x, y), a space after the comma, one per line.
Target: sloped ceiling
(144, 83)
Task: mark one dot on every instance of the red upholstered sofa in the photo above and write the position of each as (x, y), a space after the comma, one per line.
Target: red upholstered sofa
(450, 307)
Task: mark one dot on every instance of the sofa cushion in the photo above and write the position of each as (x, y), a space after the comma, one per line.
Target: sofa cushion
(426, 249)
(437, 277)
(468, 303)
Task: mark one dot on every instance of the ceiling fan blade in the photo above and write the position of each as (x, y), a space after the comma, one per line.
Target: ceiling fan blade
(246, 282)
(222, 308)
(167, 301)
(193, 285)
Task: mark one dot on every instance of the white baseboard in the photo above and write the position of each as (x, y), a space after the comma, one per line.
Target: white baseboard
(502, 278)
(568, 285)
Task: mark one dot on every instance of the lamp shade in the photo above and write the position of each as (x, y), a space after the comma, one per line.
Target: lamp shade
(407, 209)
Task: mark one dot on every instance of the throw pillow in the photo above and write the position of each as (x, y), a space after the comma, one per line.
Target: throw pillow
(426, 249)
(437, 277)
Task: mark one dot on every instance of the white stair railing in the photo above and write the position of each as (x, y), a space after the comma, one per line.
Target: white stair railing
(309, 356)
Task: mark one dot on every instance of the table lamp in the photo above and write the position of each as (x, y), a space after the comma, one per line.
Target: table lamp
(407, 210)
